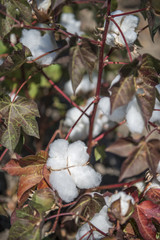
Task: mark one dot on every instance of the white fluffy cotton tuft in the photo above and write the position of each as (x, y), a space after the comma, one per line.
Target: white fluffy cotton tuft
(39, 45)
(101, 221)
(134, 117)
(128, 24)
(69, 169)
(70, 23)
(43, 5)
(84, 87)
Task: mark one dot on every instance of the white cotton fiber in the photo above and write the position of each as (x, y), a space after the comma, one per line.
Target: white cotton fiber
(81, 129)
(156, 114)
(105, 105)
(134, 117)
(58, 153)
(118, 114)
(39, 45)
(64, 184)
(125, 201)
(43, 5)
(70, 23)
(86, 177)
(67, 170)
(158, 88)
(128, 24)
(115, 80)
(101, 221)
(84, 87)
(77, 153)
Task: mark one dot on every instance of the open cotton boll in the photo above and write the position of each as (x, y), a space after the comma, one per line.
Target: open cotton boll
(125, 201)
(84, 87)
(134, 117)
(77, 153)
(127, 24)
(63, 183)
(80, 131)
(105, 105)
(70, 23)
(73, 173)
(101, 221)
(39, 45)
(156, 114)
(43, 5)
(85, 177)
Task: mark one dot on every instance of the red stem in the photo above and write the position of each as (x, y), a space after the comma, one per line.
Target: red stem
(108, 131)
(5, 14)
(99, 77)
(127, 13)
(62, 93)
(128, 50)
(52, 139)
(2, 155)
(21, 88)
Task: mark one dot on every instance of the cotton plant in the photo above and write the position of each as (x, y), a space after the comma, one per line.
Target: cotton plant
(81, 130)
(69, 169)
(39, 45)
(43, 5)
(155, 183)
(127, 24)
(84, 87)
(70, 23)
(100, 221)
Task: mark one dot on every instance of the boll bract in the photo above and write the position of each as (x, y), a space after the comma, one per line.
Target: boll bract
(69, 169)
(127, 24)
(39, 45)
(101, 221)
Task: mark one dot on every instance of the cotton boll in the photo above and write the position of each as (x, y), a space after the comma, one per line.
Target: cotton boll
(43, 5)
(118, 114)
(127, 25)
(58, 151)
(156, 114)
(100, 220)
(134, 117)
(84, 87)
(115, 80)
(70, 23)
(105, 105)
(39, 45)
(124, 201)
(77, 153)
(63, 183)
(80, 131)
(85, 177)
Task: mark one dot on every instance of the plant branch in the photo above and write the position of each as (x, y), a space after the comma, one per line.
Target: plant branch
(99, 76)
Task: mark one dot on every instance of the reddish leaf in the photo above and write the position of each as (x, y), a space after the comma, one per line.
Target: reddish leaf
(143, 214)
(30, 170)
(135, 163)
(146, 155)
(122, 92)
(122, 147)
(153, 194)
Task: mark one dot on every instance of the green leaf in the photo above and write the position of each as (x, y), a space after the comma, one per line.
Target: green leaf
(24, 8)
(99, 153)
(155, 5)
(15, 60)
(20, 113)
(27, 225)
(153, 22)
